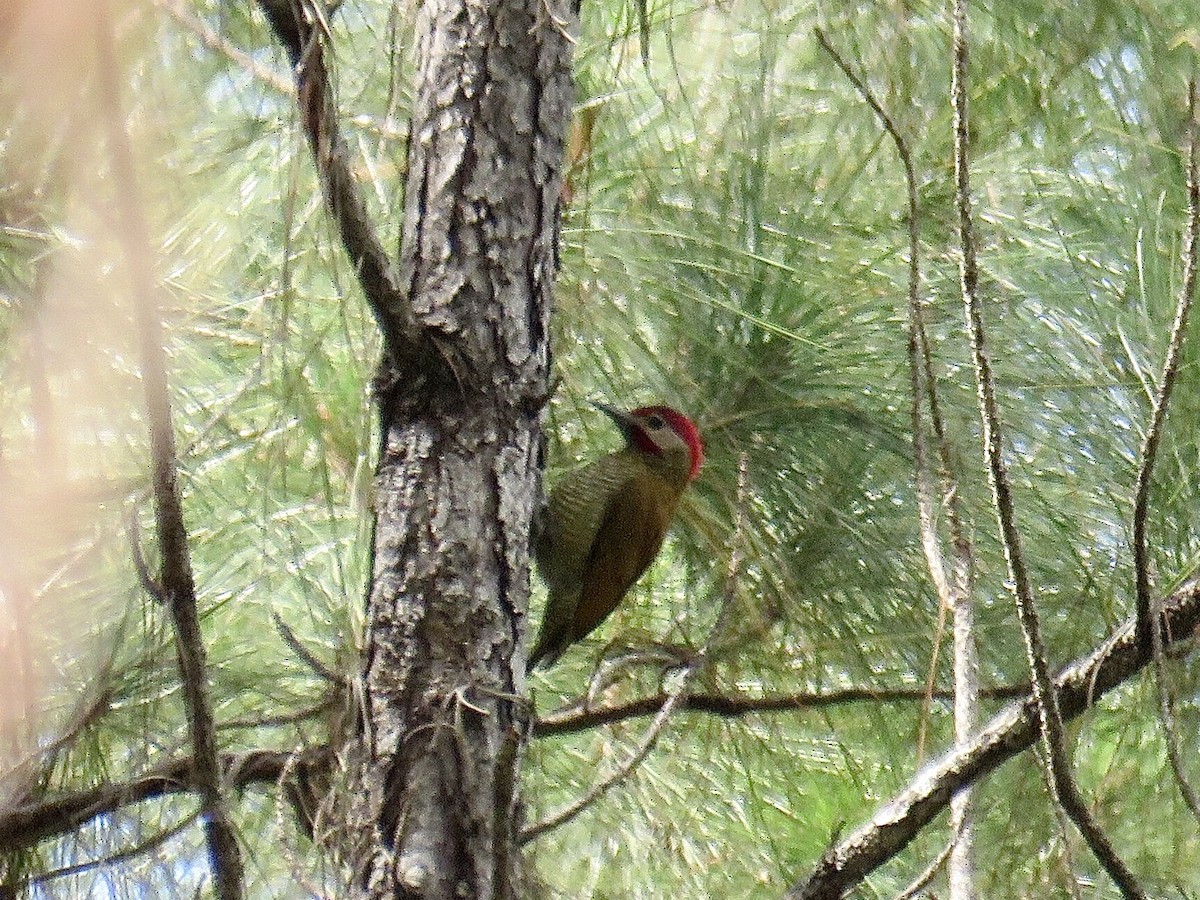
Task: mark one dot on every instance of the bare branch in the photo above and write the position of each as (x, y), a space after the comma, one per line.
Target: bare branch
(25, 826)
(304, 40)
(696, 664)
(1010, 732)
(145, 577)
(176, 580)
(578, 717)
(1145, 611)
(145, 846)
(1047, 701)
(919, 883)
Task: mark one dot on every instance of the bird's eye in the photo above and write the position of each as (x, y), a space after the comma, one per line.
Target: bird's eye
(655, 422)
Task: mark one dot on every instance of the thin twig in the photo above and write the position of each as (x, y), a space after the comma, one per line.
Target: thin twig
(282, 720)
(926, 504)
(958, 597)
(1166, 383)
(617, 776)
(1166, 703)
(291, 788)
(1145, 600)
(1047, 699)
(919, 883)
(931, 676)
(1064, 825)
(145, 577)
(696, 664)
(297, 646)
(176, 578)
(155, 840)
(580, 716)
(962, 573)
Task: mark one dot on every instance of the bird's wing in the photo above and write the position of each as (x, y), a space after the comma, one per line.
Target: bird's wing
(630, 533)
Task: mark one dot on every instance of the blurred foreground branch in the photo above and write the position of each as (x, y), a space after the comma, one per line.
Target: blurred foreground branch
(176, 582)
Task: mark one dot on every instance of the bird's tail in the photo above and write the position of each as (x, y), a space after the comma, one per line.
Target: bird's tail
(549, 648)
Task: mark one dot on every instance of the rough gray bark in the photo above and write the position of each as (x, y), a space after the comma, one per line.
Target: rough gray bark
(459, 470)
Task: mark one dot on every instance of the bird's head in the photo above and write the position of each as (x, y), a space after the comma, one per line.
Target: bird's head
(662, 432)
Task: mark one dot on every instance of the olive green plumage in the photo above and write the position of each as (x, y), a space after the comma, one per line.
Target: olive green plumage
(606, 521)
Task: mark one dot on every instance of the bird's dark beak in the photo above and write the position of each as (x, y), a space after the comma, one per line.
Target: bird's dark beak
(622, 419)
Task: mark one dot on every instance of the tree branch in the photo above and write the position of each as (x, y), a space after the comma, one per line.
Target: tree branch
(1064, 785)
(176, 579)
(1141, 561)
(215, 41)
(25, 826)
(576, 717)
(302, 34)
(1011, 731)
(953, 589)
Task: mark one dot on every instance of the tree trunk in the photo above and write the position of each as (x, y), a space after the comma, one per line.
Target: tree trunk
(460, 462)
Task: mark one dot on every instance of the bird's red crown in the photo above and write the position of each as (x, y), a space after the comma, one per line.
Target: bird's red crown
(681, 425)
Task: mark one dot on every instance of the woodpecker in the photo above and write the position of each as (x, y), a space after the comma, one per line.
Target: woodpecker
(606, 521)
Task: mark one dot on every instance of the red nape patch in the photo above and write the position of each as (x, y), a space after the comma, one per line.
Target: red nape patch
(682, 426)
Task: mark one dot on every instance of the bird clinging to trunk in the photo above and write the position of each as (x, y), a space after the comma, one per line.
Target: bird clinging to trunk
(606, 521)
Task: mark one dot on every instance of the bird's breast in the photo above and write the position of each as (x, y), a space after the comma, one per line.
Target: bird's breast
(575, 509)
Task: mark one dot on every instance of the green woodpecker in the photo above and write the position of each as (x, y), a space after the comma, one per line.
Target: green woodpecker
(606, 521)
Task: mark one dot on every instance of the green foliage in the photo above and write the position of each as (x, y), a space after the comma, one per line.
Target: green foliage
(736, 245)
